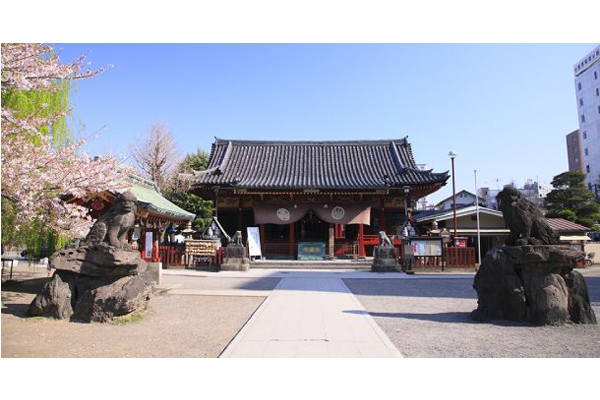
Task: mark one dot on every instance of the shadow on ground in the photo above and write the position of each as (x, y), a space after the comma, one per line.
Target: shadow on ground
(444, 317)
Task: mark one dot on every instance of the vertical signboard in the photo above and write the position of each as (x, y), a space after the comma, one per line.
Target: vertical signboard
(254, 249)
(148, 245)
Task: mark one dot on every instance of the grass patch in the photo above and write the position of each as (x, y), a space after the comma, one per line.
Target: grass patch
(132, 318)
(35, 319)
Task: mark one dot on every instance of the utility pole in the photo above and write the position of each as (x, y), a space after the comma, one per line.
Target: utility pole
(477, 208)
(452, 157)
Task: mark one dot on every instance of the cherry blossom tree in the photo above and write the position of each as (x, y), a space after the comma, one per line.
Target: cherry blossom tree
(37, 175)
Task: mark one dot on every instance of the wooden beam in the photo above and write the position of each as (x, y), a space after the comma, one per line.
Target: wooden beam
(263, 243)
(382, 216)
(361, 241)
(331, 240)
(292, 242)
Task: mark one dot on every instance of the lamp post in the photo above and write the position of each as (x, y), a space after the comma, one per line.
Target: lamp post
(452, 157)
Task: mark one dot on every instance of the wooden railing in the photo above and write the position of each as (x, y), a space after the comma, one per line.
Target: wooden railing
(459, 256)
(170, 254)
(451, 257)
(345, 249)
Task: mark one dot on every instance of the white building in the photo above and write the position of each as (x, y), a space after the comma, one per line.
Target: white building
(587, 89)
(531, 190)
(463, 198)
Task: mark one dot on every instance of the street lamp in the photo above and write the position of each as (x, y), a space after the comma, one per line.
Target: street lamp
(452, 156)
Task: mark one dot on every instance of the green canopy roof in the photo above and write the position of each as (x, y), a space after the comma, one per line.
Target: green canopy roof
(149, 197)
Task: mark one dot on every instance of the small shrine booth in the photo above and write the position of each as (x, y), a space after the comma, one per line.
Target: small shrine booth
(155, 215)
(330, 198)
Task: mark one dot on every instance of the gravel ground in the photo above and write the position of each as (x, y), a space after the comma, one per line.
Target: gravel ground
(173, 326)
(218, 283)
(430, 317)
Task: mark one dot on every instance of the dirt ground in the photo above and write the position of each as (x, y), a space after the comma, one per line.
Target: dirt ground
(173, 326)
(431, 318)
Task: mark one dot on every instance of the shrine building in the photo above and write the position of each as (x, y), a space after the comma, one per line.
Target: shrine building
(334, 195)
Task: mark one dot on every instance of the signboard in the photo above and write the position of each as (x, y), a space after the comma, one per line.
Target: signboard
(311, 251)
(460, 242)
(254, 249)
(148, 245)
(426, 247)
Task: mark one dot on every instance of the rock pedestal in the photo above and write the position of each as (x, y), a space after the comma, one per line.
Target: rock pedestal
(235, 259)
(94, 283)
(535, 284)
(385, 259)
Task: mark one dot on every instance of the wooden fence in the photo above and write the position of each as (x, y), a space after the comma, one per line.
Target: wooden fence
(459, 256)
(172, 254)
(451, 257)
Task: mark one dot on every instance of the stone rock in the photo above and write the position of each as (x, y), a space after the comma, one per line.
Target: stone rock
(533, 284)
(101, 303)
(56, 298)
(98, 260)
(580, 310)
(95, 283)
(385, 259)
(235, 258)
(500, 290)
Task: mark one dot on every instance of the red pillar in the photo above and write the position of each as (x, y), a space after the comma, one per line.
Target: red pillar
(361, 241)
(155, 244)
(292, 242)
(262, 240)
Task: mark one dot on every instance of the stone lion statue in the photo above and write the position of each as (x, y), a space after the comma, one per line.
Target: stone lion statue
(526, 223)
(113, 226)
(384, 240)
(236, 240)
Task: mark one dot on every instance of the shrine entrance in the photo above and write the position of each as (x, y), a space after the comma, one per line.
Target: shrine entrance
(311, 228)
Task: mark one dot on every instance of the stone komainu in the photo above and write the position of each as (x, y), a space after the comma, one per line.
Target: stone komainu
(384, 240)
(526, 223)
(113, 227)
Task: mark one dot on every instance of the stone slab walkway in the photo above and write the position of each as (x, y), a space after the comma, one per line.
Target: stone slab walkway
(311, 317)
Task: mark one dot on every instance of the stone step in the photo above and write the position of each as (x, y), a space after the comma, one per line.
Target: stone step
(297, 264)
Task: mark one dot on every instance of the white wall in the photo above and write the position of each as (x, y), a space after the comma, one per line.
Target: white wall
(590, 83)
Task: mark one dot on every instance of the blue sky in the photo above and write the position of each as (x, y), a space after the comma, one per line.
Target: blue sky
(505, 109)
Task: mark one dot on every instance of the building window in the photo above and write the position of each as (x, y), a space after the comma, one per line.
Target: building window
(585, 134)
(581, 102)
(595, 74)
(587, 169)
(586, 152)
(582, 118)
(579, 86)
(597, 92)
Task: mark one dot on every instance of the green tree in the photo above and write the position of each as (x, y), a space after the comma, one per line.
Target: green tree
(570, 199)
(44, 103)
(178, 195)
(197, 161)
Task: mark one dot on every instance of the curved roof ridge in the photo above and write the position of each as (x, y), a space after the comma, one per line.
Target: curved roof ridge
(402, 141)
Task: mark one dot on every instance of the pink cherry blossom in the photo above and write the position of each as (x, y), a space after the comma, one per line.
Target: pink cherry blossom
(36, 175)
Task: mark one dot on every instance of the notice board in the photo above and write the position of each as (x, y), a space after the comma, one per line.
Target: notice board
(254, 249)
(148, 245)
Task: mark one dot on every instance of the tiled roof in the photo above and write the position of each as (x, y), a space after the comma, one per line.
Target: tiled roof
(149, 197)
(562, 225)
(366, 164)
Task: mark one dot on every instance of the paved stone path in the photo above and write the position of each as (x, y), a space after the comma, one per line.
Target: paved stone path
(311, 317)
